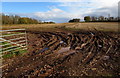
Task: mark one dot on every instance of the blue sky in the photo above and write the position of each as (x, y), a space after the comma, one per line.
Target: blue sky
(26, 7)
(61, 11)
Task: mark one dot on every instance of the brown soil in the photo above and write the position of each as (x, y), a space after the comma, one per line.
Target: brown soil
(67, 54)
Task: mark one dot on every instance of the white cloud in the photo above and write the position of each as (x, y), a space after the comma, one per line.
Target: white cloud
(113, 11)
(56, 15)
(77, 9)
(105, 7)
(107, 2)
(93, 7)
(50, 14)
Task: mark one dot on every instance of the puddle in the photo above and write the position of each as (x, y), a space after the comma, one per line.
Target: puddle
(64, 49)
(41, 51)
(61, 42)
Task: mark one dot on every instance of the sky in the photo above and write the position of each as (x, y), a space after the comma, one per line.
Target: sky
(60, 11)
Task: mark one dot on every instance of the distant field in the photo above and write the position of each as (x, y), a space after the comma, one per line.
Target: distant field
(67, 26)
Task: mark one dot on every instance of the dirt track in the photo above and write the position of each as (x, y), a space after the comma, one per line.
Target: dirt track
(67, 54)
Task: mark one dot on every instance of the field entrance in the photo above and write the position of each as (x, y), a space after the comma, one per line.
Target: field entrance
(13, 42)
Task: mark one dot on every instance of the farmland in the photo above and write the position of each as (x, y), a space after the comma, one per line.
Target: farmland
(70, 26)
(67, 49)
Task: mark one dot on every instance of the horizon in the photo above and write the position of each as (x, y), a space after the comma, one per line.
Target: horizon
(61, 12)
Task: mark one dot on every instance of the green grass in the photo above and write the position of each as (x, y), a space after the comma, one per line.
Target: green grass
(13, 52)
(3, 43)
(16, 53)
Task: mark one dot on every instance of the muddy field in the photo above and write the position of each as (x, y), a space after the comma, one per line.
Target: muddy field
(83, 53)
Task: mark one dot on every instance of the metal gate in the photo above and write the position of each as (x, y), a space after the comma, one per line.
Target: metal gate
(13, 42)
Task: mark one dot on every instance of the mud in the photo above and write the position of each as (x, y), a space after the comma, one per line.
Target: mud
(67, 54)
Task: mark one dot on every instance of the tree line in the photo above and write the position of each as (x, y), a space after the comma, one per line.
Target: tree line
(74, 20)
(15, 19)
(101, 19)
(97, 19)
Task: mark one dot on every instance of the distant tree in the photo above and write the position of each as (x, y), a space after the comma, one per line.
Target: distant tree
(22, 21)
(105, 19)
(94, 19)
(14, 19)
(0, 18)
(111, 18)
(52, 22)
(26, 20)
(74, 20)
(49, 22)
(7, 20)
(70, 20)
(101, 18)
(87, 18)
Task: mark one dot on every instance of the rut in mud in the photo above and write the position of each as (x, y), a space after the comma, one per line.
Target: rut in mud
(67, 54)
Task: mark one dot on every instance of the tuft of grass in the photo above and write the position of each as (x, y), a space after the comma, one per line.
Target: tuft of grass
(12, 54)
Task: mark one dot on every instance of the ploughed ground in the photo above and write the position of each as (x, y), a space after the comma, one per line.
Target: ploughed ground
(83, 53)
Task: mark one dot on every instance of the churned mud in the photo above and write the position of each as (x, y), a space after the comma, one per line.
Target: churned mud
(67, 54)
